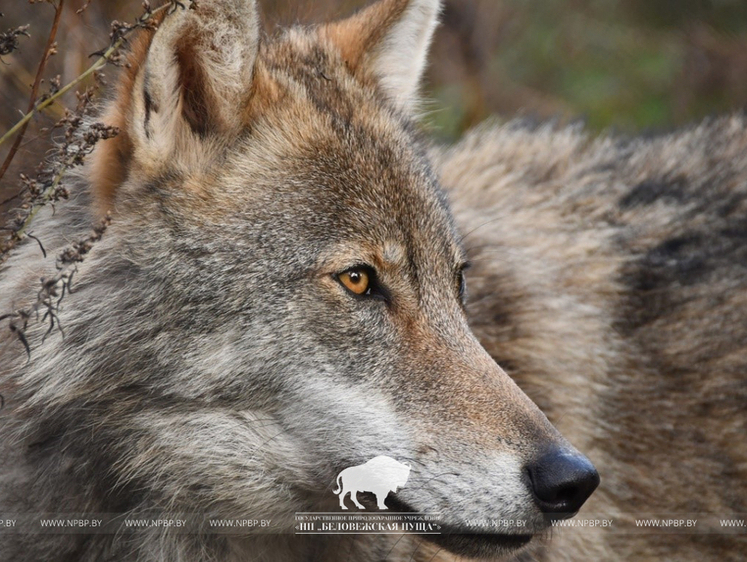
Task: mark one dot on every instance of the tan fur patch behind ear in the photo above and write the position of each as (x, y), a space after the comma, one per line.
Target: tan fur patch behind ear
(111, 158)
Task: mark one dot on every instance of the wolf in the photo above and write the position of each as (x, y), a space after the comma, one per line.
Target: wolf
(280, 295)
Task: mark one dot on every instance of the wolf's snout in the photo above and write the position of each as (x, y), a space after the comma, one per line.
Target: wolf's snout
(562, 482)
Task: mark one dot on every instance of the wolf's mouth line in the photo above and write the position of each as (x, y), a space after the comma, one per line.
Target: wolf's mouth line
(467, 543)
(502, 539)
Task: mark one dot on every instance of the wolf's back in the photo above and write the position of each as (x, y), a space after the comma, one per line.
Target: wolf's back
(610, 280)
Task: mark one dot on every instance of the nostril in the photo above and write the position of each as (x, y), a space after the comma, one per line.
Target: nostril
(562, 482)
(555, 496)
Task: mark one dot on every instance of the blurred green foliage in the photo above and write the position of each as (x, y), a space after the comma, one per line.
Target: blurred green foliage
(627, 64)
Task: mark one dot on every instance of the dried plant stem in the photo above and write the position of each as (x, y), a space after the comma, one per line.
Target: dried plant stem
(48, 51)
(45, 197)
(51, 188)
(49, 193)
(53, 290)
(65, 89)
(100, 63)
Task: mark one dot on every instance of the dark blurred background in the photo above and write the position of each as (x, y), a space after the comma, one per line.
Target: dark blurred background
(630, 65)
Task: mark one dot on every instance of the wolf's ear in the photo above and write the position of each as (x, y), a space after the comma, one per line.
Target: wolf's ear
(197, 74)
(389, 39)
(185, 83)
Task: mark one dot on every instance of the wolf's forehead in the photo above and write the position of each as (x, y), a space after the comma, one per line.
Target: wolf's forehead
(345, 153)
(393, 251)
(312, 73)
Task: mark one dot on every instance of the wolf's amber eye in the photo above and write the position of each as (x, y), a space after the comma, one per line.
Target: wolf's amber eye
(357, 281)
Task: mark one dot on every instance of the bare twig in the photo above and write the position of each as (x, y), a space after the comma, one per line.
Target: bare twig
(9, 39)
(83, 8)
(62, 91)
(49, 50)
(53, 290)
(119, 34)
(47, 187)
(41, 246)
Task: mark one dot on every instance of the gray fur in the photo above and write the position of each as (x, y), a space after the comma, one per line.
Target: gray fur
(212, 364)
(610, 281)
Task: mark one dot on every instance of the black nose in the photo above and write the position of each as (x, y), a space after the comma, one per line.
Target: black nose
(562, 481)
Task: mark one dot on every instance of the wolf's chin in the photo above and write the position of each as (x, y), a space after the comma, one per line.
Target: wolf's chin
(480, 546)
(467, 543)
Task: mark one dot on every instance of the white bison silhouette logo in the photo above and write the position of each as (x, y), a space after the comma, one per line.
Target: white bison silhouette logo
(380, 475)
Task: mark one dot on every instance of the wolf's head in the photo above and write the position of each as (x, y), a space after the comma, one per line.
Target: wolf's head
(281, 292)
